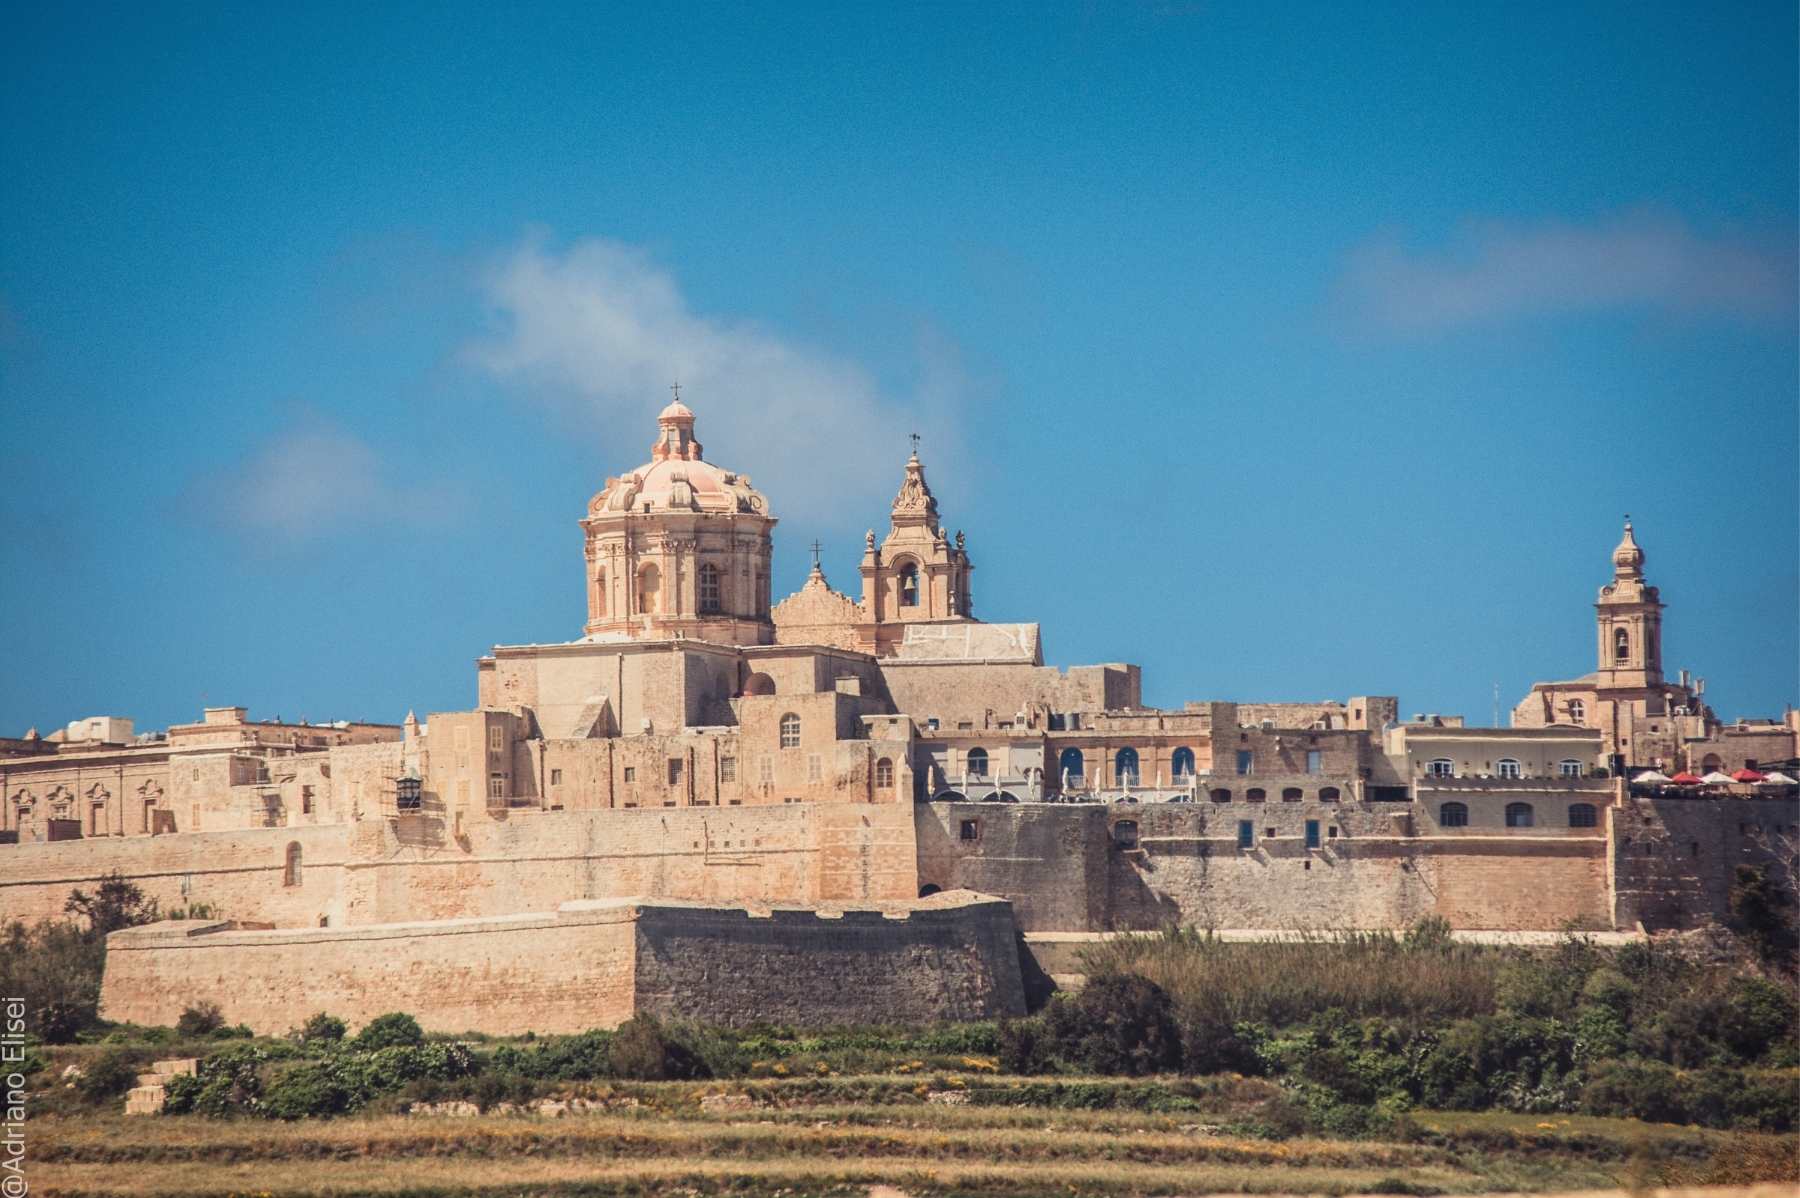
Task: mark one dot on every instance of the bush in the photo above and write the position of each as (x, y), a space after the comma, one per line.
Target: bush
(309, 1091)
(322, 1029)
(1118, 1023)
(1758, 1015)
(1639, 1089)
(386, 1031)
(55, 969)
(201, 1019)
(180, 1093)
(113, 1073)
(642, 1050)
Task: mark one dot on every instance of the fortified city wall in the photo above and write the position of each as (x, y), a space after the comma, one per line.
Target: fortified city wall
(420, 867)
(1075, 868)
(585, 965)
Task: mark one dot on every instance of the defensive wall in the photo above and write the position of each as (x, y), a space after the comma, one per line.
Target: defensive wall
(423, 866)
(1123, 867)
(587, 964)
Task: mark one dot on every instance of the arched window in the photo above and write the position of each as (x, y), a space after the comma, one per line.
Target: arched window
(1125, 834)
(1071, 764)
(290, 875)
(1441, 767)
(929, 889)
(1519, 815)
(649, 582)
(1508, 767)
(790, 731)
(1125, 767)
(1453, 815)
(977, 763)
(1711, 764)
(1221, 795)
(600, 593)
(1328, 794)
(1181, 762)
(1583, 815)
(909, 585)
(1568, 767)
(1292, 794)
(1621, 645)
(1255, 795)
(1577, 711)
(709, 588)
(884, 774)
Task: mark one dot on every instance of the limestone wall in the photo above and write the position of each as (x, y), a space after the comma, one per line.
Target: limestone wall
(561, 972)
(1674, 860)
(950, 957)
(1076, 868)
(423, 867)
(585, 965)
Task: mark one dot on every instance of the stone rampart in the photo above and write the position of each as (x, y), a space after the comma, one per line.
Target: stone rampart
(1122, 867)
(588, 964)
(414, 867)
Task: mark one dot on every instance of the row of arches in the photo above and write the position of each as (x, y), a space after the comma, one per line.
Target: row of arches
(1289, 794)
(1072, 763)
(1518, 815)
(710, 590)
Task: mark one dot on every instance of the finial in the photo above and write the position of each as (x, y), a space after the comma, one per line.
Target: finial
(869, 538)
(915, 444)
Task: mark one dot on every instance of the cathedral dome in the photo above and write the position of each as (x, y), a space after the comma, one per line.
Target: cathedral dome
(677, 478)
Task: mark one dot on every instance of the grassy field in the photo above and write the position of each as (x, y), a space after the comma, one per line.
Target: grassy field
(657, 1138)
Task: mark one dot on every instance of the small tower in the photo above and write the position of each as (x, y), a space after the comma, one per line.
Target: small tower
(916, 574)
(1629, 616)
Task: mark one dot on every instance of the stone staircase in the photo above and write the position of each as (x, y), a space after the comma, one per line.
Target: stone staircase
(148, 1096)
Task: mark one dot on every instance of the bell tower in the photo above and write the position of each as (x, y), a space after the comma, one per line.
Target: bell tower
(917, 573)
(1629, 618)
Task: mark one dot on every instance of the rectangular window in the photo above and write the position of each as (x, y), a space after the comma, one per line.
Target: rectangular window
(556, 777)
(496, 738)
(1245, 760)
(728, 769)
(932, 723)
(814, 768)
(631, 773)
(306, 797)
(1312, 833)
(1569, 769)
(971, 829)
(768, 772)
(496, 786)
(1313, 761)
(1246, 834)
(674, 771)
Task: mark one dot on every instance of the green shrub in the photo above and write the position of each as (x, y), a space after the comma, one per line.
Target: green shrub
(1118, 1023)
(1757, 1016)
(385, 1031)
(322, 1029)
(1638, 1089)
(181, 1092)
(54, 968)
(1026, 1046)
(642, 1050)
(109, 1075)
(308, 1091)
(201, 1019)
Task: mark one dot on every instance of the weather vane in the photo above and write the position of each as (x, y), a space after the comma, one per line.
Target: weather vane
(915, 441)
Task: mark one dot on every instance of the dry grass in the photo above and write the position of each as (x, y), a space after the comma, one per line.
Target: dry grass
(671, 1146)
(1290, 981)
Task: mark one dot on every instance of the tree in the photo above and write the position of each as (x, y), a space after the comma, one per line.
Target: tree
(118, 903)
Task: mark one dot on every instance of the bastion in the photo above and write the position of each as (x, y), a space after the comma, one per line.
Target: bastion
(588, 964)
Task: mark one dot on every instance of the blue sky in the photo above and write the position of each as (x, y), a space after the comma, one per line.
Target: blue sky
(1291, 351)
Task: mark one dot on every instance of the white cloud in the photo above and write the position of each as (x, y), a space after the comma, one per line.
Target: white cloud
(310, 480)
(1493, 272)
(601, 329)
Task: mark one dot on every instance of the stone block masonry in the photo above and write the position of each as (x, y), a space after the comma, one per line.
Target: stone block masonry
(591, 963)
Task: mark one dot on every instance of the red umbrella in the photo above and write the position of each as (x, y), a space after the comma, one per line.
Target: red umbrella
(1746, 775)
(1685, 779)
